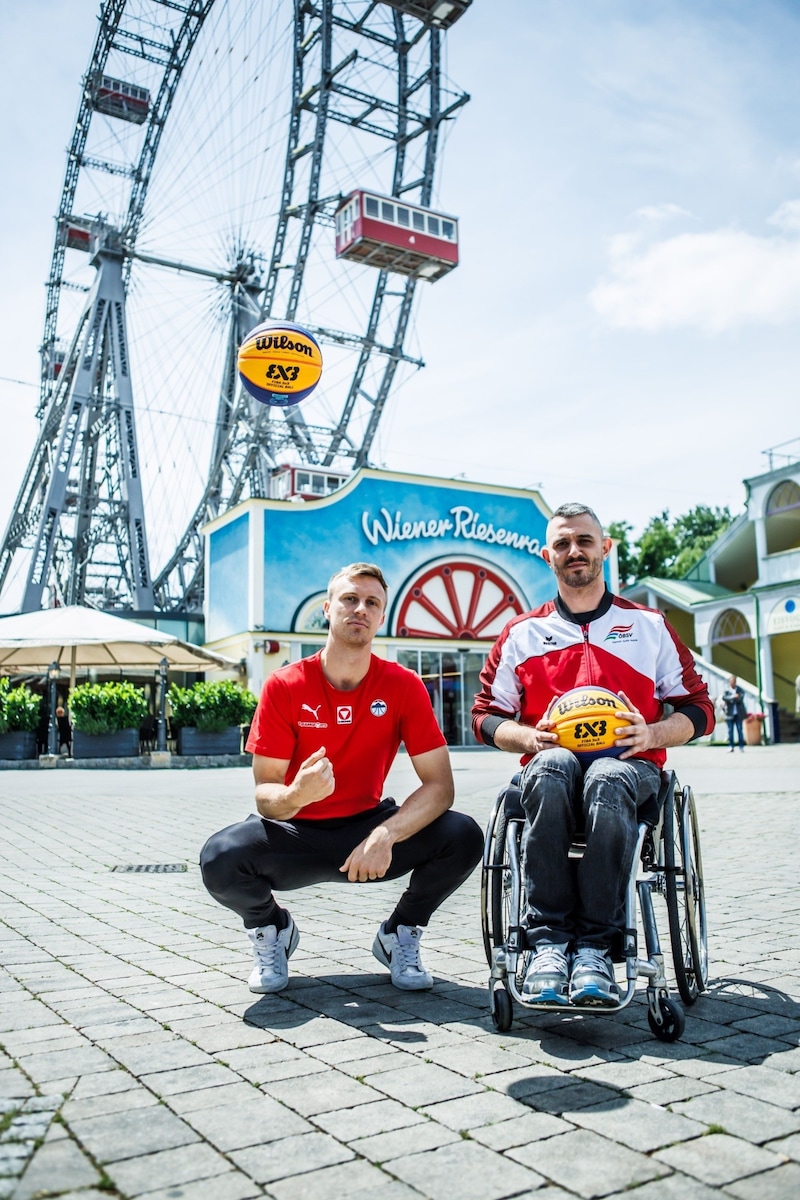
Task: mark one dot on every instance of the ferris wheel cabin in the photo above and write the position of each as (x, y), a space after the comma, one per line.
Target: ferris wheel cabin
(116, 98)
(387, 233)
(304, 483)
(439, 13)
(76, 233)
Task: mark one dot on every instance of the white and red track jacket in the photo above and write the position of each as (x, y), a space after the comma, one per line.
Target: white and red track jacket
(622, 646)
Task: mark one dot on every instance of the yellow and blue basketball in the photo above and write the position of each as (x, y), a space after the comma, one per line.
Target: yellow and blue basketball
(279, 363)
(585, 722)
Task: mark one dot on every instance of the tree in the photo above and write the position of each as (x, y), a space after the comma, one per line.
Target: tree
(626, 559)
(658, 548)
(668, 548)
(696, 531)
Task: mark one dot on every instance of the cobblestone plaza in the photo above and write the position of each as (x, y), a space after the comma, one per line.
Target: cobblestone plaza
(135, 1061)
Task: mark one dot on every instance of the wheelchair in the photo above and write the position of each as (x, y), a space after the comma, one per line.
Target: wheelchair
(667, 863)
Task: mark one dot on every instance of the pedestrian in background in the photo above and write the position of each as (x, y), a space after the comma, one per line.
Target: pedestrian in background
(735, 712)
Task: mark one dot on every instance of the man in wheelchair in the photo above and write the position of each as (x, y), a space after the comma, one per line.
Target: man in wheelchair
(584, 636)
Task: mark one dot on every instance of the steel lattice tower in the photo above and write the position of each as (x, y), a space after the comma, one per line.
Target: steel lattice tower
(78, 530)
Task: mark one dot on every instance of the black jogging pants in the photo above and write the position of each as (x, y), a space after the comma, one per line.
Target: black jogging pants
(245, 862)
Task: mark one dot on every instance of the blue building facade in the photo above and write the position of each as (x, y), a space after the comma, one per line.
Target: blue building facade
(461, 560)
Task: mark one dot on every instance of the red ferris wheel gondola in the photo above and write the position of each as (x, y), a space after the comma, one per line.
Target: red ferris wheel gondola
(388, 233)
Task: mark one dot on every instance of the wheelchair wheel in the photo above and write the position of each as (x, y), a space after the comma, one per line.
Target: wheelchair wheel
(495, 889)
(693, 859)
(502, 1010)
(501, 885)
(685, 894)
(673, 1021)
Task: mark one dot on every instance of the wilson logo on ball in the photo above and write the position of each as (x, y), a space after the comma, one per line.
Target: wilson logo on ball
(279, 363)
(585, 721)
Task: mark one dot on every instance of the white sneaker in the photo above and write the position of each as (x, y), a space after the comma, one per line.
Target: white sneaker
(547, 975)
(592, 981)
(271, 952)
(400, 953)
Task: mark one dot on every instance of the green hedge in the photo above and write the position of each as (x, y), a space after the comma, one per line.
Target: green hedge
(107, 707)
(211, 707)
(19, 707)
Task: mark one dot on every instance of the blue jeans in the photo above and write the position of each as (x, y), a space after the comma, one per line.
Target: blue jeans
(735, 724)
(583, 906)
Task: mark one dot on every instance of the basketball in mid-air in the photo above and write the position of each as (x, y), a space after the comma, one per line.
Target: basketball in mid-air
(584, 721)
(279, 363)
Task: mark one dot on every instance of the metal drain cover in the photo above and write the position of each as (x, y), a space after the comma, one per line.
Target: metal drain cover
(151, 868)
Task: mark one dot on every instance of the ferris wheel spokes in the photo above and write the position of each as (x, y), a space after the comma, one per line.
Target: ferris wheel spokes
(188, 177)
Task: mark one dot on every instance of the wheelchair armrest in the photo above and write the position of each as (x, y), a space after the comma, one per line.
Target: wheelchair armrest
(512, 800)
(650, 812)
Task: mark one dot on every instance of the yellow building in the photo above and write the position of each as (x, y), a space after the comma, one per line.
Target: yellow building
(739, 607)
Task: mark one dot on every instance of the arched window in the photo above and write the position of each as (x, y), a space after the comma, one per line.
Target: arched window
(785, 497)
(783, 517)
(730, 626)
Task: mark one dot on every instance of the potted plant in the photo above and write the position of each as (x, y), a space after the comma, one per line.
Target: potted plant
(19, 718)
(106, 719)
(208, 717)
(754, 728)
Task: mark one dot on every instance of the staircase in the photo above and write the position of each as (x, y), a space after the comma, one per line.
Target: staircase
(789, 725)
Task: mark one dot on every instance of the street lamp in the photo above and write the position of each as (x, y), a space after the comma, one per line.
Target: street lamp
(53, 672)
(161, 723)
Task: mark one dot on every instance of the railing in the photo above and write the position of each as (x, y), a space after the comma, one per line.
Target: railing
(717, 680)
(780, 452)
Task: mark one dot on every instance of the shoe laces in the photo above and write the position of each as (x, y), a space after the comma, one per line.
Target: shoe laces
(408, 948)
(549, 958)
(265, 947)
(588, 958)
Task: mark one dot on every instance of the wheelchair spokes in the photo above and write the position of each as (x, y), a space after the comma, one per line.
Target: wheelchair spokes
(685, 894)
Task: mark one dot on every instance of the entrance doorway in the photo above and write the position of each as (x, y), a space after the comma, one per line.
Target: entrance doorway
(451, 680)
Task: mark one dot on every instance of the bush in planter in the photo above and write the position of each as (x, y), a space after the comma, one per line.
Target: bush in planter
(98, 708)
(211, 707)
(19, 708)
(19, 721)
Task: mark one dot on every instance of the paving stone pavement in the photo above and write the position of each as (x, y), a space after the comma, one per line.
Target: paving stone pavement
(135, 1062)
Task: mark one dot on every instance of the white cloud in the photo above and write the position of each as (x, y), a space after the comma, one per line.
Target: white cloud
(787, 216)
(659, 214)
(713, 281)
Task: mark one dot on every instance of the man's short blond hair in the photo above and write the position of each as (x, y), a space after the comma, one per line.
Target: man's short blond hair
(353, 571)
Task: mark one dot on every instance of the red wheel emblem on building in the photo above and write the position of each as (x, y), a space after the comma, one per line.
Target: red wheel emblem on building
(457, 600)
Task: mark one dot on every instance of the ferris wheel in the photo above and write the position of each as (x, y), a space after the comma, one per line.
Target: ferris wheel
(219, 147)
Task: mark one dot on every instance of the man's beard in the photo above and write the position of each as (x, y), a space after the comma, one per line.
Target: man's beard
(583, 578)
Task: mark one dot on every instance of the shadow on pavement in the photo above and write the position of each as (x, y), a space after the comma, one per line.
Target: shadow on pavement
(766, 997)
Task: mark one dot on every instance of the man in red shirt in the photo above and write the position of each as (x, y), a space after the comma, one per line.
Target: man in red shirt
(323, 738)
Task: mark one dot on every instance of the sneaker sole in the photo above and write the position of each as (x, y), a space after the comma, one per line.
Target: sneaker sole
(263, 990)
(590, 997)
(547, 996)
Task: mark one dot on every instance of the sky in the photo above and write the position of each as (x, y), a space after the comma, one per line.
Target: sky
(623, 326)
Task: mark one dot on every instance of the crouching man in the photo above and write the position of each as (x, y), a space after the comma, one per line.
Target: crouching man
(324, 737)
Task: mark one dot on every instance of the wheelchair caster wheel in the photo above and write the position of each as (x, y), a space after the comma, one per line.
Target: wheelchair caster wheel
(502, 1010)
(673, 1021)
